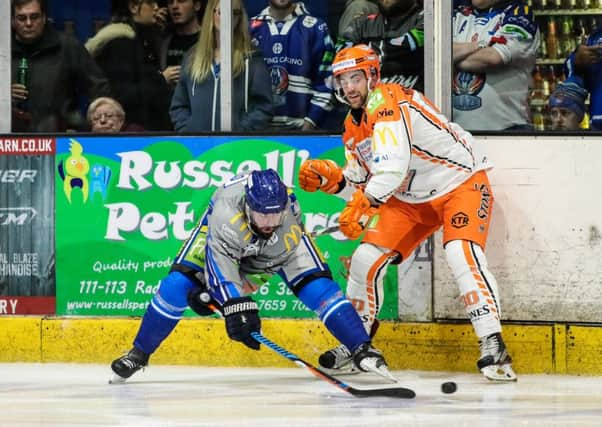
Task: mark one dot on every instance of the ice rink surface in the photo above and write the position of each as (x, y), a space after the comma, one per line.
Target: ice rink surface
(78, 395)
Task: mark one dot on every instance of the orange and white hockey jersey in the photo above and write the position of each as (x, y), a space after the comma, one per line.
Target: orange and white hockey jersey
(400, 145)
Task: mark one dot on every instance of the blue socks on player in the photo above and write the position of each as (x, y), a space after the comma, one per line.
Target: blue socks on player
(326, 299)
(164, 312)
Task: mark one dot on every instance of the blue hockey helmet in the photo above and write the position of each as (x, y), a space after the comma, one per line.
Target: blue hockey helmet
(266, 193)
(266, 197)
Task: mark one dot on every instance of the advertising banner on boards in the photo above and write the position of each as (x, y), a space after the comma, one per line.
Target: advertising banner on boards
(125, 205)
(27, 252)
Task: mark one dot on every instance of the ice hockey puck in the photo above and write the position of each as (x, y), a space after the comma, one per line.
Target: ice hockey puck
(449, 387)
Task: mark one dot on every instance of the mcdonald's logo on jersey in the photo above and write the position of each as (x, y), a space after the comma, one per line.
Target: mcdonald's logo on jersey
(293, 236)
(383, 136)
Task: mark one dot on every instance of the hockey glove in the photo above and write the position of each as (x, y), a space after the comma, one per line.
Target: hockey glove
(355, 216)
(320, 174)
(200, 302)
(242, 318)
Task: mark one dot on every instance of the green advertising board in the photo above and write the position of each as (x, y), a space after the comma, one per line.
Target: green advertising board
(124, 205)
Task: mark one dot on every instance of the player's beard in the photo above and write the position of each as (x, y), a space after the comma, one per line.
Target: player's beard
(258, 232)
(357, 100)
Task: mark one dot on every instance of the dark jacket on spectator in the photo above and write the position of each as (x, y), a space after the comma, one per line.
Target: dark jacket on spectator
(195, 106)
(400, 40)
(60, 69)
(129, 57)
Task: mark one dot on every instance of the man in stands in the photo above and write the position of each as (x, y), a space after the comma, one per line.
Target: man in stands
(298, 51)
(585, 63)
(567, 105)
(494, 48)
(55, 68)
(182, 34)
(397, 34)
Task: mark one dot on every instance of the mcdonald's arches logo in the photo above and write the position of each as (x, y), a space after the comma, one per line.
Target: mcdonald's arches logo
(383, 135)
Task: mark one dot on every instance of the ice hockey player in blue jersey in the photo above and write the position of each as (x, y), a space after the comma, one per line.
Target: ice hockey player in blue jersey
(298, 52)
(251, 227)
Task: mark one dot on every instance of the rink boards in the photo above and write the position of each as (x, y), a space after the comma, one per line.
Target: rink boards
(551, 349)
(544, 249)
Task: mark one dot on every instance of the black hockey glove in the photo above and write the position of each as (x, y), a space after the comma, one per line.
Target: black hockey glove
(242, 318)
(199, 300)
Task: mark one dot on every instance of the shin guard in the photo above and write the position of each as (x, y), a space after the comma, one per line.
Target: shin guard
(478, 287)
(326, 299)
(164, 312)
(365, 284)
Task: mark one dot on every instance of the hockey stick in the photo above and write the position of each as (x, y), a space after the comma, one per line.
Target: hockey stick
(323, 231)
(399, 392)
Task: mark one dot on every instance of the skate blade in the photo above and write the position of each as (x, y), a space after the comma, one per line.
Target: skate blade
(116, 379)
(499, 373)
(386, 374)
(383, 371)
(348, 369)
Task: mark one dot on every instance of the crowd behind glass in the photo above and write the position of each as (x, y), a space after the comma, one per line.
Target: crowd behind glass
(155, 65)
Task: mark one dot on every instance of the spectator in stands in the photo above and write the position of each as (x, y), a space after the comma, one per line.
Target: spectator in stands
(567, 105)
(128, 52)
(298, 52)
(335, 9)
(586, 62)
(195, 106)
(182, 33)
(59, 69)
(106, 115)
(352, 11)
(397, 34)
(494, 48)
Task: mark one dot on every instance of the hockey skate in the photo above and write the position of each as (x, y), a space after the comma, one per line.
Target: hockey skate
(368, 359)
(495, 362)
(338, 361)
(127, 365)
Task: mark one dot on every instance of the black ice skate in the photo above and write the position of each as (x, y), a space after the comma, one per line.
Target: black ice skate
(338, 361)
(368, 359)
(127, 365)
(495, 362)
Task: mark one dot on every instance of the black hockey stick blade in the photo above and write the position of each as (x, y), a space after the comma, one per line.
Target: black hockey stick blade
(398, 392)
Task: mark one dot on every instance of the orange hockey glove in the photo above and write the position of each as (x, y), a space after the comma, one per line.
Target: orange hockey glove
(355, 216)
(320, 174)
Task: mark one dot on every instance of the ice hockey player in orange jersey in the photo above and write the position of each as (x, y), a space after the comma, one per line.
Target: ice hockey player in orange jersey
(409, 171)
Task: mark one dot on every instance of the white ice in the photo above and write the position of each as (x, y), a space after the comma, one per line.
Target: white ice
(78, 395)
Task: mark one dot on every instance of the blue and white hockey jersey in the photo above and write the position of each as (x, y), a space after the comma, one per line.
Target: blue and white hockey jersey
(591, 80)
(298, 53)
(498, 98)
